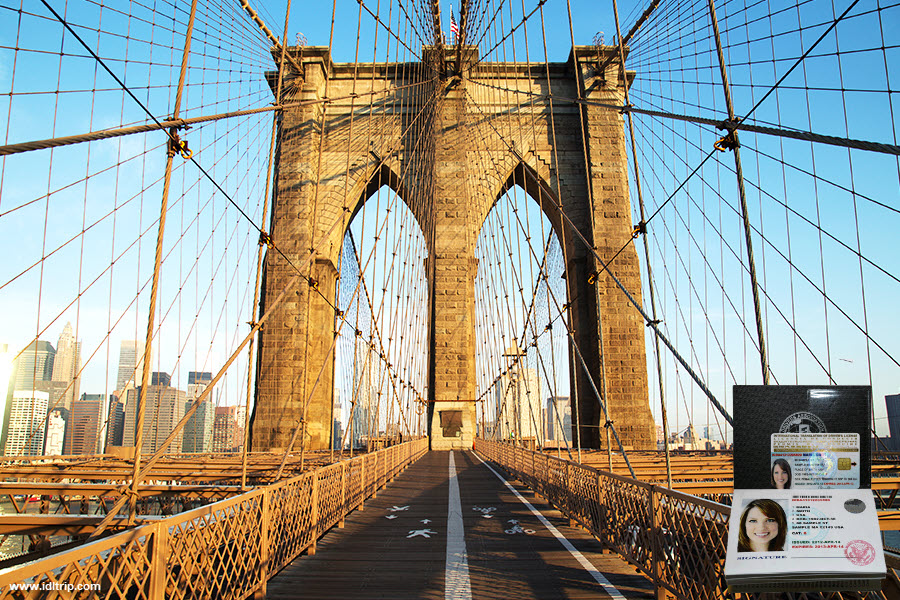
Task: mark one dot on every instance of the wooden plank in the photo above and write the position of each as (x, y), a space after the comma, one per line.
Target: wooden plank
(379, 557)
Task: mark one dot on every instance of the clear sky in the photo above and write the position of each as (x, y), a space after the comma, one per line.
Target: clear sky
(801, 198)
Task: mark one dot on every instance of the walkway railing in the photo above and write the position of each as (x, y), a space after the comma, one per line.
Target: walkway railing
(675, 539)
(228, 549)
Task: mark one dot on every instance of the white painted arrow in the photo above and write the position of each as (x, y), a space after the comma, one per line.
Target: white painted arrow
(422, 532)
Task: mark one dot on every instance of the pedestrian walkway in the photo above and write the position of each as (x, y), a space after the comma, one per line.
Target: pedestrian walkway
(450, 528)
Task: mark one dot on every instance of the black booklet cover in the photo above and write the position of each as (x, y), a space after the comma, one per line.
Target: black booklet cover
(800, 436)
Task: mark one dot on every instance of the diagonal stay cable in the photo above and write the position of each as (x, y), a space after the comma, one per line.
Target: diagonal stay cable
(731, 125)
(172, 137)
(797, 134)
(647, 320)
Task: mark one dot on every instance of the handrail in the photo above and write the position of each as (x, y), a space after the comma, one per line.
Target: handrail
(675, 539)
(228, 549)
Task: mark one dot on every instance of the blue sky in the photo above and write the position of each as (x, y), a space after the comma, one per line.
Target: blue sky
(666, 152)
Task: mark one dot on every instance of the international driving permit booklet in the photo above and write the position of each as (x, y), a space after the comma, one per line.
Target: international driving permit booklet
(804, 540)
(800, 436)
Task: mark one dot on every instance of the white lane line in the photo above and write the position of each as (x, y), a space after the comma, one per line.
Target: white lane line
(597, 575)
(457, 585)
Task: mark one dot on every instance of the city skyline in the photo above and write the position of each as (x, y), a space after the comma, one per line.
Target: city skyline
(42, 414)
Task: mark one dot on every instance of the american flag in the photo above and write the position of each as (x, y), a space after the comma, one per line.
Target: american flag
(454, 28)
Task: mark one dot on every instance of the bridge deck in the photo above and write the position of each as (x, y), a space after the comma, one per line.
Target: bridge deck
(406, 544)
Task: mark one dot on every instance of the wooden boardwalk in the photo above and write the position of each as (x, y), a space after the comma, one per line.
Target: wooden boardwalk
(397, 547)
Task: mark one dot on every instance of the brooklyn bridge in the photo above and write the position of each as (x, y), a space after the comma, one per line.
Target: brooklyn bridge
(395, 299)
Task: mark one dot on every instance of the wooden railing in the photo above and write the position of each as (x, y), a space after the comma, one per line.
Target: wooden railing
(225, 550)
(675, 539)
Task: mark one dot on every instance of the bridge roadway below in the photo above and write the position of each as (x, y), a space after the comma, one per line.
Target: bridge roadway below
(429, 535)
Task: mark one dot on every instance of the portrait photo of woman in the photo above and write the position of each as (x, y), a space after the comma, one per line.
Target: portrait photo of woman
(781, 474)
(763, 527)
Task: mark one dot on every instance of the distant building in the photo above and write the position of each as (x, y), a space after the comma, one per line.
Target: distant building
(85, 422)
(115, 422)
(31, 371)
(203, 378)
(559, 418)
(337, 430)
(165, 407)
(28, 412)
(519, 403)
(131, 361)
(66, 368)
(228, 429)
(892, 402)
(161, 379)
(198, 431)
(35, 363)
(362, 398)
(57, 424)
(6, 388)
(690, 440)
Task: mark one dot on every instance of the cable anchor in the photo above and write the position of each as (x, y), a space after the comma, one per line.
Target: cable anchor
(265, 239)
(729, 142)
(178, 145)
(640, 228)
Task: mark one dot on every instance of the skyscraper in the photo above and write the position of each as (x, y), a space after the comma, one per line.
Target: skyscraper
(31, 372)
(337, 430)
(559, 418)
(28, 413)
(362, 397)
(66, 366)
(165, 407)
(199, 378)
(892, 403)
(35, 363)
(519, 403)
(115, 422)
(57, 424)
(85, 422)
(198, 431)
(228, 429)
(131, 361)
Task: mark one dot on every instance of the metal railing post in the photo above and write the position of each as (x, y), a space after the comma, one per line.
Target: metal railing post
(657, 557)
(601, 514)
(314, 514)
(344, 508)
(159, 549)
(376, 480)
(572, 522)
(362, 483)
(264, 518)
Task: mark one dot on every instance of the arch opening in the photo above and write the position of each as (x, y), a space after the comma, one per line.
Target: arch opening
(522, 357)
(381, 354)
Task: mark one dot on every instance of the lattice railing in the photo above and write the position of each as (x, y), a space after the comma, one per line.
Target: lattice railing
(225, 550)
(675, 539)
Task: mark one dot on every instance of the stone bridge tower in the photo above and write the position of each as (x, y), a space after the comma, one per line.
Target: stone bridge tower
(323, 179)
